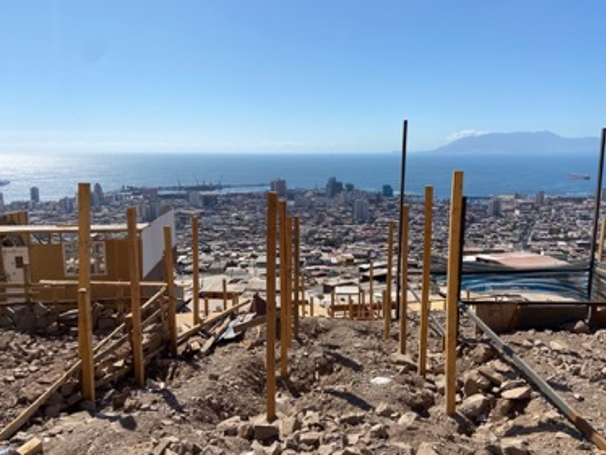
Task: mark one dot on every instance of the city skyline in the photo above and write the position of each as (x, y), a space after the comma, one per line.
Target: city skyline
(304, 77)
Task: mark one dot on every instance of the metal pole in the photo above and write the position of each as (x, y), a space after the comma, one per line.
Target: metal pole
(596, 215)
(402, 188)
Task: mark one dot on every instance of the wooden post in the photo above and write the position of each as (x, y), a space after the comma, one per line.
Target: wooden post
(206, 307)
(371, 291)
(332, 303)
(363, 304)
(296, 273)
(386, 318)
(270, 321)
(602, 237)
(454, 252)
(283, 291)
(170, 287)
(351, 308)
(289, 279)
(387, 305)
(303, 310)
(311, 306)
(85, 318)
(135, 296)
(196, 272)
(404, 279)
(425, 282)
(224, 294)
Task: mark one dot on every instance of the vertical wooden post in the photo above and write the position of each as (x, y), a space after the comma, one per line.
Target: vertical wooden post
(386, 318)
(363, 304)
(425, 281)
(195, 248)
(85, 318)
(351, 308)
(404, 278)
(283, 291)
(602, 238)
(332, 303)
(170, 282)
(270, 285)
(303, 310)
(296, 272)
(206, 307)
(371, 291)
(454, 252)
(135, 295)
(311, 306)
(289, 279)
(224, 294)
(387, 303)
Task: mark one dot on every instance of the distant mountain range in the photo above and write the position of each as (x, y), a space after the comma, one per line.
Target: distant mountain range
(522, 143)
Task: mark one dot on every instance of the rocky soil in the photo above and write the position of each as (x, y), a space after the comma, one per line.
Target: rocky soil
(349, 392)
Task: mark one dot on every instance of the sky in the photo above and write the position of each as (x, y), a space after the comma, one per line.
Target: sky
(294, 76)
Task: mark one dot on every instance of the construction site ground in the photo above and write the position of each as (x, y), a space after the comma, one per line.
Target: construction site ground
(348, 392)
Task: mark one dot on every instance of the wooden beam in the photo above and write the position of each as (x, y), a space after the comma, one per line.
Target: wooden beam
(425, 282)
(270, 286)
(283, 289)
(296, 272)
(387, 299)
(372, 290)
(195, 247)
(135, 293)
(332, 303)
(31, 447)
(454, 252)
(224, 286)
(210, 321)
(85, 318)
(170, 280)
(289, 286)
(404, 222)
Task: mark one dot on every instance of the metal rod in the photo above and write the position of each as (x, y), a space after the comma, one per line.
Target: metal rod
(596, 214)
(581, 423)
(402, 189)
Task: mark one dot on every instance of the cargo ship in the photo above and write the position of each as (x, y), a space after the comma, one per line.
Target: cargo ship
(580, 176)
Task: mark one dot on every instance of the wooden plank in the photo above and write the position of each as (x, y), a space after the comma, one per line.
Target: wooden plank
(210, 321)
(170, 280)
(289, 309)
(120, 284)
(283, 287)
(224, 284)
(195, 247)
(296, 273)
(425, 282)
(372, 290)
(404, 278)
(454, 252)
(270, 286)
(135, 292)
(85, 317)
(31, 447)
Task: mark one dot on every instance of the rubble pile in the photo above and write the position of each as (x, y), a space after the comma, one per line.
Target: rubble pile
(348, 392)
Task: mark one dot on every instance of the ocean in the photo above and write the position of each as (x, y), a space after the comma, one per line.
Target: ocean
(57, 176)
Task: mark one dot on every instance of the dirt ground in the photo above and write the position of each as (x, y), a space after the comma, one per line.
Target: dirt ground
(348, 392)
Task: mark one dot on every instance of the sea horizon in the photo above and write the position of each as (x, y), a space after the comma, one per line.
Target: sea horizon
(57, 176)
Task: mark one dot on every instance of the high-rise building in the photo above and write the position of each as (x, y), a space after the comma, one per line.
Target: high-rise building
(279, 186)
(1, 201)
(494, 207)
(98, 194)
(34, 194)
(360, 212)
(540, 198)
(387, 191)
(333, 187)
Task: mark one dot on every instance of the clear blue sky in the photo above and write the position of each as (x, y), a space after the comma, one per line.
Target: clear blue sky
(295, 76)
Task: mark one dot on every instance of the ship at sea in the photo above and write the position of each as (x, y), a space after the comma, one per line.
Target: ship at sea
(580, 176)
(4, 182)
